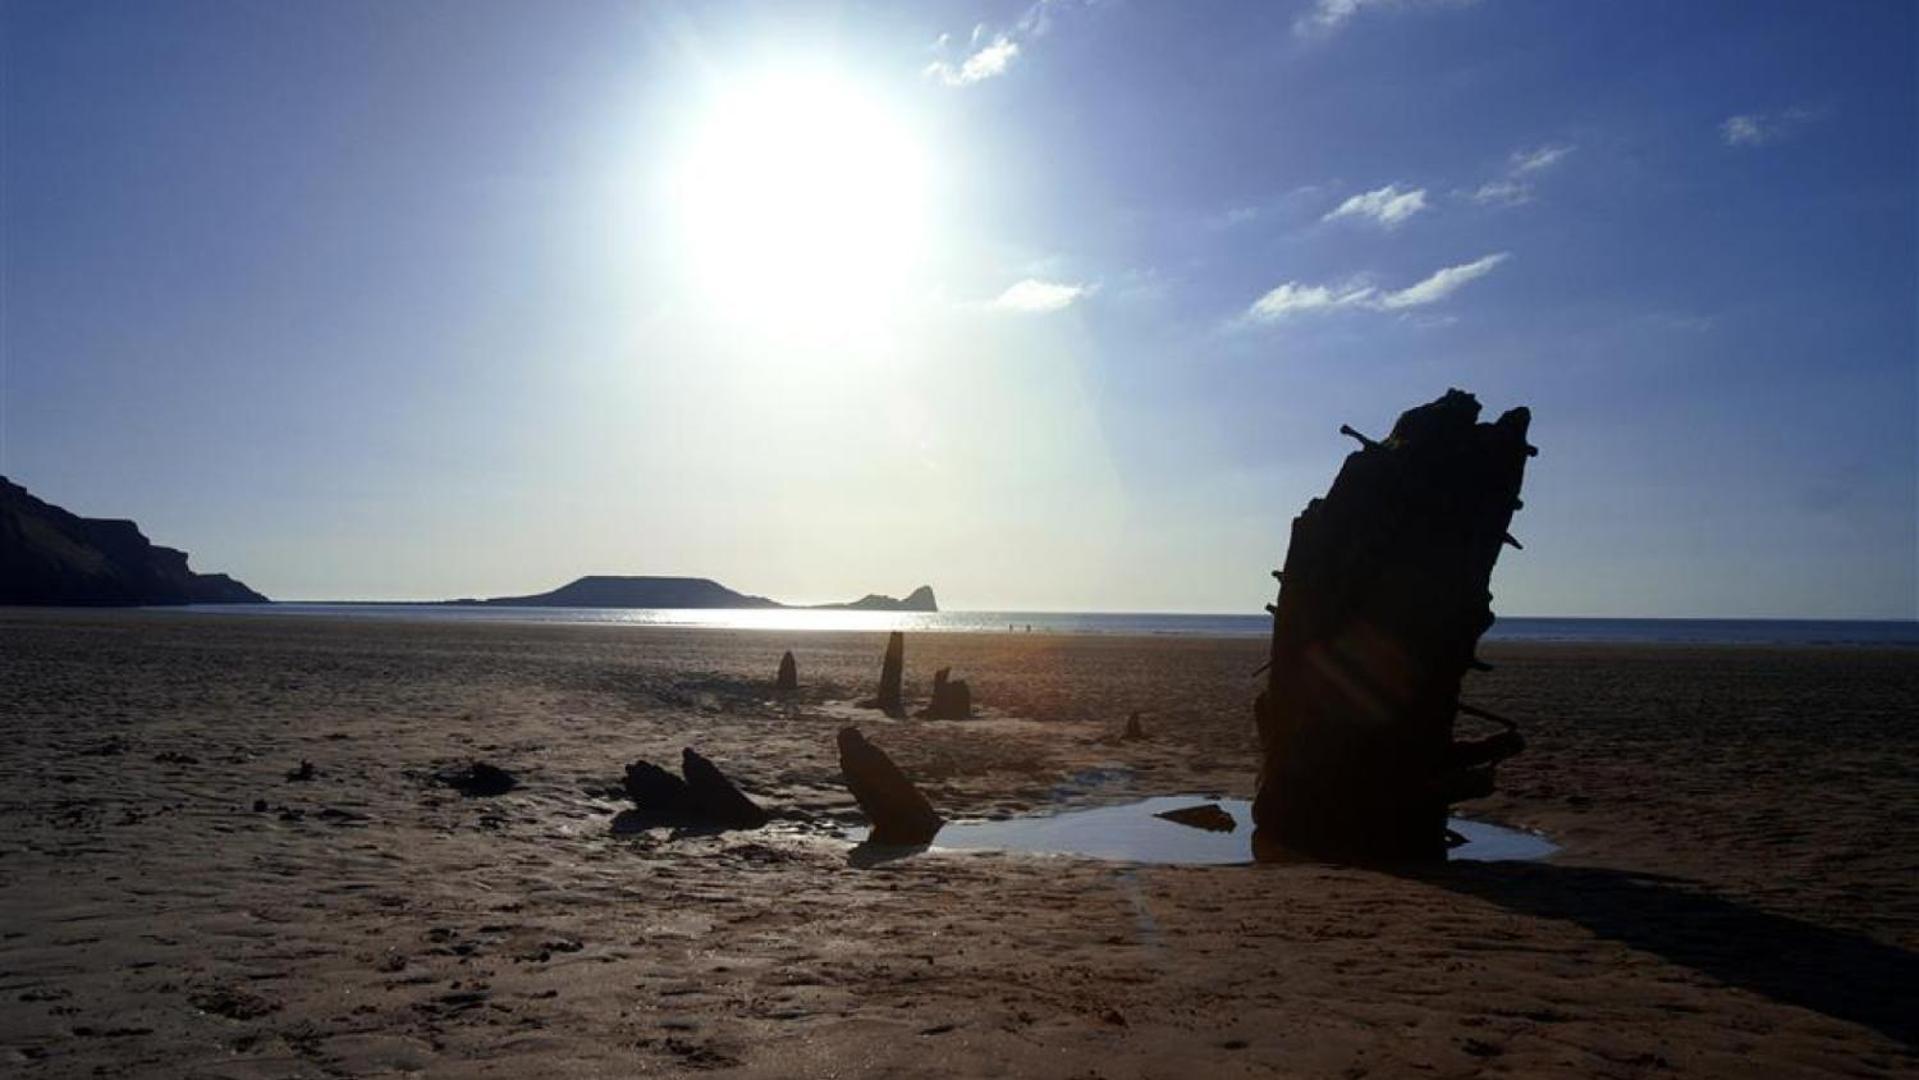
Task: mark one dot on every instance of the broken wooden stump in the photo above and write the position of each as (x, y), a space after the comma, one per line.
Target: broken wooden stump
(1209, 816)
(789, 677)
(715, 800)
(656, 792)
(952, 698)
(702, 795)
(1382, 601)
(888, 700)
(898, 813)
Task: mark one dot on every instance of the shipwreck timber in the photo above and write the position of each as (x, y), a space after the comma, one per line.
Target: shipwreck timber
(1382, 601)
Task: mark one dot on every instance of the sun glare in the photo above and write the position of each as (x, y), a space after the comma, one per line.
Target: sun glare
(802, 198)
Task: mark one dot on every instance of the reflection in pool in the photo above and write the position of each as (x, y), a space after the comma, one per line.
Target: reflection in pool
(1131, 833)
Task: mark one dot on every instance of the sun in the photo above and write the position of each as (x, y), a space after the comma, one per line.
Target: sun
(802, 196)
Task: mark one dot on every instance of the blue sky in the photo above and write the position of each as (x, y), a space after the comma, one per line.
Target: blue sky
(1053, 306)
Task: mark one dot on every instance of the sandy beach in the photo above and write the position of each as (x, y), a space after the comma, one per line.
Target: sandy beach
(1737, 892)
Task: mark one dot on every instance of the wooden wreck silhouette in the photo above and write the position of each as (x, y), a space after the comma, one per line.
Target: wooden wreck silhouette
(1382, 601)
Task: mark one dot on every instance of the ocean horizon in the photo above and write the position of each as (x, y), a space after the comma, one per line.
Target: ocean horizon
(1521, 628)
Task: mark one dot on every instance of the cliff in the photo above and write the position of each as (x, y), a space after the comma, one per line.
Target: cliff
(50, 556)
(920, 599)
(611, 591)
(608, 591)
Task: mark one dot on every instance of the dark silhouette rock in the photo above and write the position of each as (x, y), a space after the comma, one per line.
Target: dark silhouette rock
(899, 814)
(479, 780)
(920, 599)
(610, 591)
(1209, 816)
(1383, 599)
(715, 800)
(888, 700)
(656, 791)
(789, 674)
(952, 698)
(1133, 732)
(49, 556)
(640, 591)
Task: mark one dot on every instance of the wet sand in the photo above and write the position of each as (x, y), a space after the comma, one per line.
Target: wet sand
(1737, 894)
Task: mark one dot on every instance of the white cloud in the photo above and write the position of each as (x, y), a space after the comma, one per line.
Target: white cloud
(1327, 16)
(1503, 192)
(1544, 157)
(1516, 185)
(1389, 206)
(991, 61)
(997, 55)
(1442, 283)
(1761, 129)
(1293, 298)
(1036, 297)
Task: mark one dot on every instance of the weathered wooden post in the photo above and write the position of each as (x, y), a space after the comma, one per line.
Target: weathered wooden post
(1381, 604)
(899, 814)
(888, 700)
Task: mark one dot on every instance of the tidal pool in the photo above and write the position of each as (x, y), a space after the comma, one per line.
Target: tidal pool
(1130, 832)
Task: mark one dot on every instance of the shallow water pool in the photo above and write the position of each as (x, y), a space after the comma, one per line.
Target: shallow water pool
(1131, 833)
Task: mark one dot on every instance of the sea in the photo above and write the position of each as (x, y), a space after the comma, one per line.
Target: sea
(1797, 632)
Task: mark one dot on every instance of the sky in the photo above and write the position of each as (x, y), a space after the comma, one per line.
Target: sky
(1052, 306)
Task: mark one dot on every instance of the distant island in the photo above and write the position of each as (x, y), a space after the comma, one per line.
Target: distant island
(615, 591)
(49, 556)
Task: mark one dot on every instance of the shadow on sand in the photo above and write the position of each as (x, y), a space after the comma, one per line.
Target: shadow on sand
(866, 855)
(1840, 973)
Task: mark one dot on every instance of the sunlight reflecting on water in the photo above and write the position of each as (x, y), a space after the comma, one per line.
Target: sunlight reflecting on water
(1131, 832)
(1519, 628)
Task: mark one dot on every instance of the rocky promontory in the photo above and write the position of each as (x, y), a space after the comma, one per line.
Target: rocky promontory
(617, 591)
(49, 556)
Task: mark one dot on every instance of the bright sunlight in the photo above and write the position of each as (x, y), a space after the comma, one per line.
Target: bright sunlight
(802, 197)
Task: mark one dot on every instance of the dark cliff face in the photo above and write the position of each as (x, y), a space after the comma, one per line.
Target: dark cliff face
(50, 556)
(920, 599)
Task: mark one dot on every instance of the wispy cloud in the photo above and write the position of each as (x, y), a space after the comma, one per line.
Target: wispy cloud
(1328, 17)
(1515, 185)
(1762, 129)
(996, 56)
(1286, 204)
(1293, 298)
(1443, 283)
(1036, 297)
(1388, 205)
(988, 62)
(1503, 192)
(1542, 157)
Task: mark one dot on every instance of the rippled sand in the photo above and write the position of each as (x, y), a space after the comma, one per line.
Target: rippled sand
(1738, 892)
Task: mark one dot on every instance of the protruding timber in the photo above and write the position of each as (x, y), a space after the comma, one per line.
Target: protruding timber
(888, 699)
(952, 698)
(714, 797)
(899, 814)
(1347, 429)
(1383, 597)
(789, 678)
